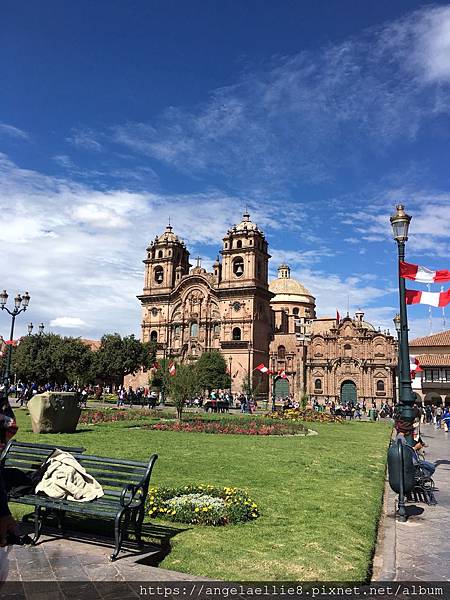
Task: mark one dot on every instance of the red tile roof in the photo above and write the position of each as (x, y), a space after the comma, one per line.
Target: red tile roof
(434, 360)
(437, 339)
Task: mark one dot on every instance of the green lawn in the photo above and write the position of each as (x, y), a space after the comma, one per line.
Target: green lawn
(319, 496)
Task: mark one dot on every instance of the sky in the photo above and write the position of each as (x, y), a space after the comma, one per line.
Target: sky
(318, 116)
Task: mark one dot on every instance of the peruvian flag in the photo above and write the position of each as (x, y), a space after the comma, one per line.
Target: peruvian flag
(282, 374)
(432, 298)
(262, 368)
(422, 274)
(172, 369)
(414, 366)
(338, 316)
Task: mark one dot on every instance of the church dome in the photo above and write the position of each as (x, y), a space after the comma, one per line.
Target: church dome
(246, 224)
(168, 235)
(287, 289)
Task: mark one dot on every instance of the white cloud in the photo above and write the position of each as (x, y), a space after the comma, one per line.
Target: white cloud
(428, 231)
(64, 161)
(67, 323)
(85, 139)
(80, 250)
(310, 113)
(12, 131)
(421, 41)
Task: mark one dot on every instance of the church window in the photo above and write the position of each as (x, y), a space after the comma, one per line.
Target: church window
(160, 254)
(380, 385)
(236, 334)
(238, 266)
(154, 336)
(154, 312)
(239, 244)
(251, 242)
(159, 274)
(347, 350)
(216, 328)
(281, 352)
(194, 329)
(177, 330)
(318, 384)
(296, 311)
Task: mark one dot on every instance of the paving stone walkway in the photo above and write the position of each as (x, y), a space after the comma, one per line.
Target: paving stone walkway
(61, 569)
(419, 550)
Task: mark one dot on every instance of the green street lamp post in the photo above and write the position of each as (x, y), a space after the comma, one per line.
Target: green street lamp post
(400, 223)
(20, 305)
(398, 325)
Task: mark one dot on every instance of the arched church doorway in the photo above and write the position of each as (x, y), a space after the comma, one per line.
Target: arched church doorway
(281, 388)
(348, 393)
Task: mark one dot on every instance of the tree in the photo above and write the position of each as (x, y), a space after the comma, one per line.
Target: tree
(52, 358)
(250, 387)
(212, 371)
(183, 386)
(160, 378)
(118, 357)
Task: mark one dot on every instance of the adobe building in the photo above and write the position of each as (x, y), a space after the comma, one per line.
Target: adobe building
(187, 311)
(433, 353)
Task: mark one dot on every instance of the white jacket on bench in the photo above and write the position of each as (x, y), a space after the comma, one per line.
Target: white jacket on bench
(66, 479)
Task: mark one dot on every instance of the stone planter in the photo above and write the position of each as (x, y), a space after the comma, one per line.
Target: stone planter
(54, 412)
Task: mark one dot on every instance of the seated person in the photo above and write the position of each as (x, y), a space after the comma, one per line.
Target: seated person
(404, 429)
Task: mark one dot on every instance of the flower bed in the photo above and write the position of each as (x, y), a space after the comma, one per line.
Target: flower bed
(107, 415)
(243, 426)
(308, 415)
(201, 505)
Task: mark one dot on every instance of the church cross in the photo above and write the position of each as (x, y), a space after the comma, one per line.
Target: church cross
(199, 260)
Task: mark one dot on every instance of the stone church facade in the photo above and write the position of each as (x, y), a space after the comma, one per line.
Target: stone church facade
(233, 309)
(190, 311)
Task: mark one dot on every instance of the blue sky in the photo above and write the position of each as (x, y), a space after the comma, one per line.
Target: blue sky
(319, 117)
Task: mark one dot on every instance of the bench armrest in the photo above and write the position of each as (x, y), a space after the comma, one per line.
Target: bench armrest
(133, 494)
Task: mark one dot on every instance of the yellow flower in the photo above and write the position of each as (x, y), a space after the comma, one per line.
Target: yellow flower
(197, 509)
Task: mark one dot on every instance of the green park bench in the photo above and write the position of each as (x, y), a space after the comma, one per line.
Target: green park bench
(125, 483)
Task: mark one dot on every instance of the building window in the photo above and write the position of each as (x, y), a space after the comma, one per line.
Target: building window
(347, 350)
(436, 375)
(154, 312)
(160, 253)
(239, 244)
(380, 385)
(296, 311)
(236, 334)
(318, 384)
(154, 336)
(281, 352)
(428, 375)
(447, 375)
(216, 328)
(194, 329)
(177, 330)
(159, 274)
(238, 266)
